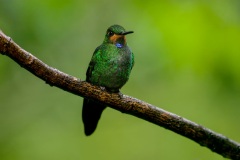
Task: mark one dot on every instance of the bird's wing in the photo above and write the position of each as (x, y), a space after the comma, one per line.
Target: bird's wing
(92, 110)
(92, 64)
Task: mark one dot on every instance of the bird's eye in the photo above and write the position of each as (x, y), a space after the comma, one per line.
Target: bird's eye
(110, 33)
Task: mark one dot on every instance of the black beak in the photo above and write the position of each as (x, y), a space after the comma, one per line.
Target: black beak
(128, 32)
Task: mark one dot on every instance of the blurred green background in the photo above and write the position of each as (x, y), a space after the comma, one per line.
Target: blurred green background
(187, 61)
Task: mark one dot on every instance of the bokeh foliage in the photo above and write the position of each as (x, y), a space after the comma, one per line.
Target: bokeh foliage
(187, 57)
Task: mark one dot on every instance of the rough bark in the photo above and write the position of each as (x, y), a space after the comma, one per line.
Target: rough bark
(126, 104)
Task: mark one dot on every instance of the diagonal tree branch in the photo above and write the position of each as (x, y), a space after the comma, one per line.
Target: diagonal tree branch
(126, 104)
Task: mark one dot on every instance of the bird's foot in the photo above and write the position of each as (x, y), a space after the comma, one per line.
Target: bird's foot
(118, 94)
(114, 92)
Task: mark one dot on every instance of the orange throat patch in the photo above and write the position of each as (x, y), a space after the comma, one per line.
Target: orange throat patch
(118, 38)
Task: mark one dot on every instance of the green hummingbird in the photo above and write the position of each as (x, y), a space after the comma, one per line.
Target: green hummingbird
(110, 68)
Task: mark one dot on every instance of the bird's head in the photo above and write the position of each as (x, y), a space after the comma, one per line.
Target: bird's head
(116, 35)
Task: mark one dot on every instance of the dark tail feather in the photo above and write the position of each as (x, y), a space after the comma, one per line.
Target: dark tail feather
(91, 114)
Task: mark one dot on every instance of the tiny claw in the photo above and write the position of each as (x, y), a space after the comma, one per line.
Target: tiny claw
(102, 88)
(120, 94)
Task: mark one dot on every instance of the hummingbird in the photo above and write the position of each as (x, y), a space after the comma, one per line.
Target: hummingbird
(109, 68)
